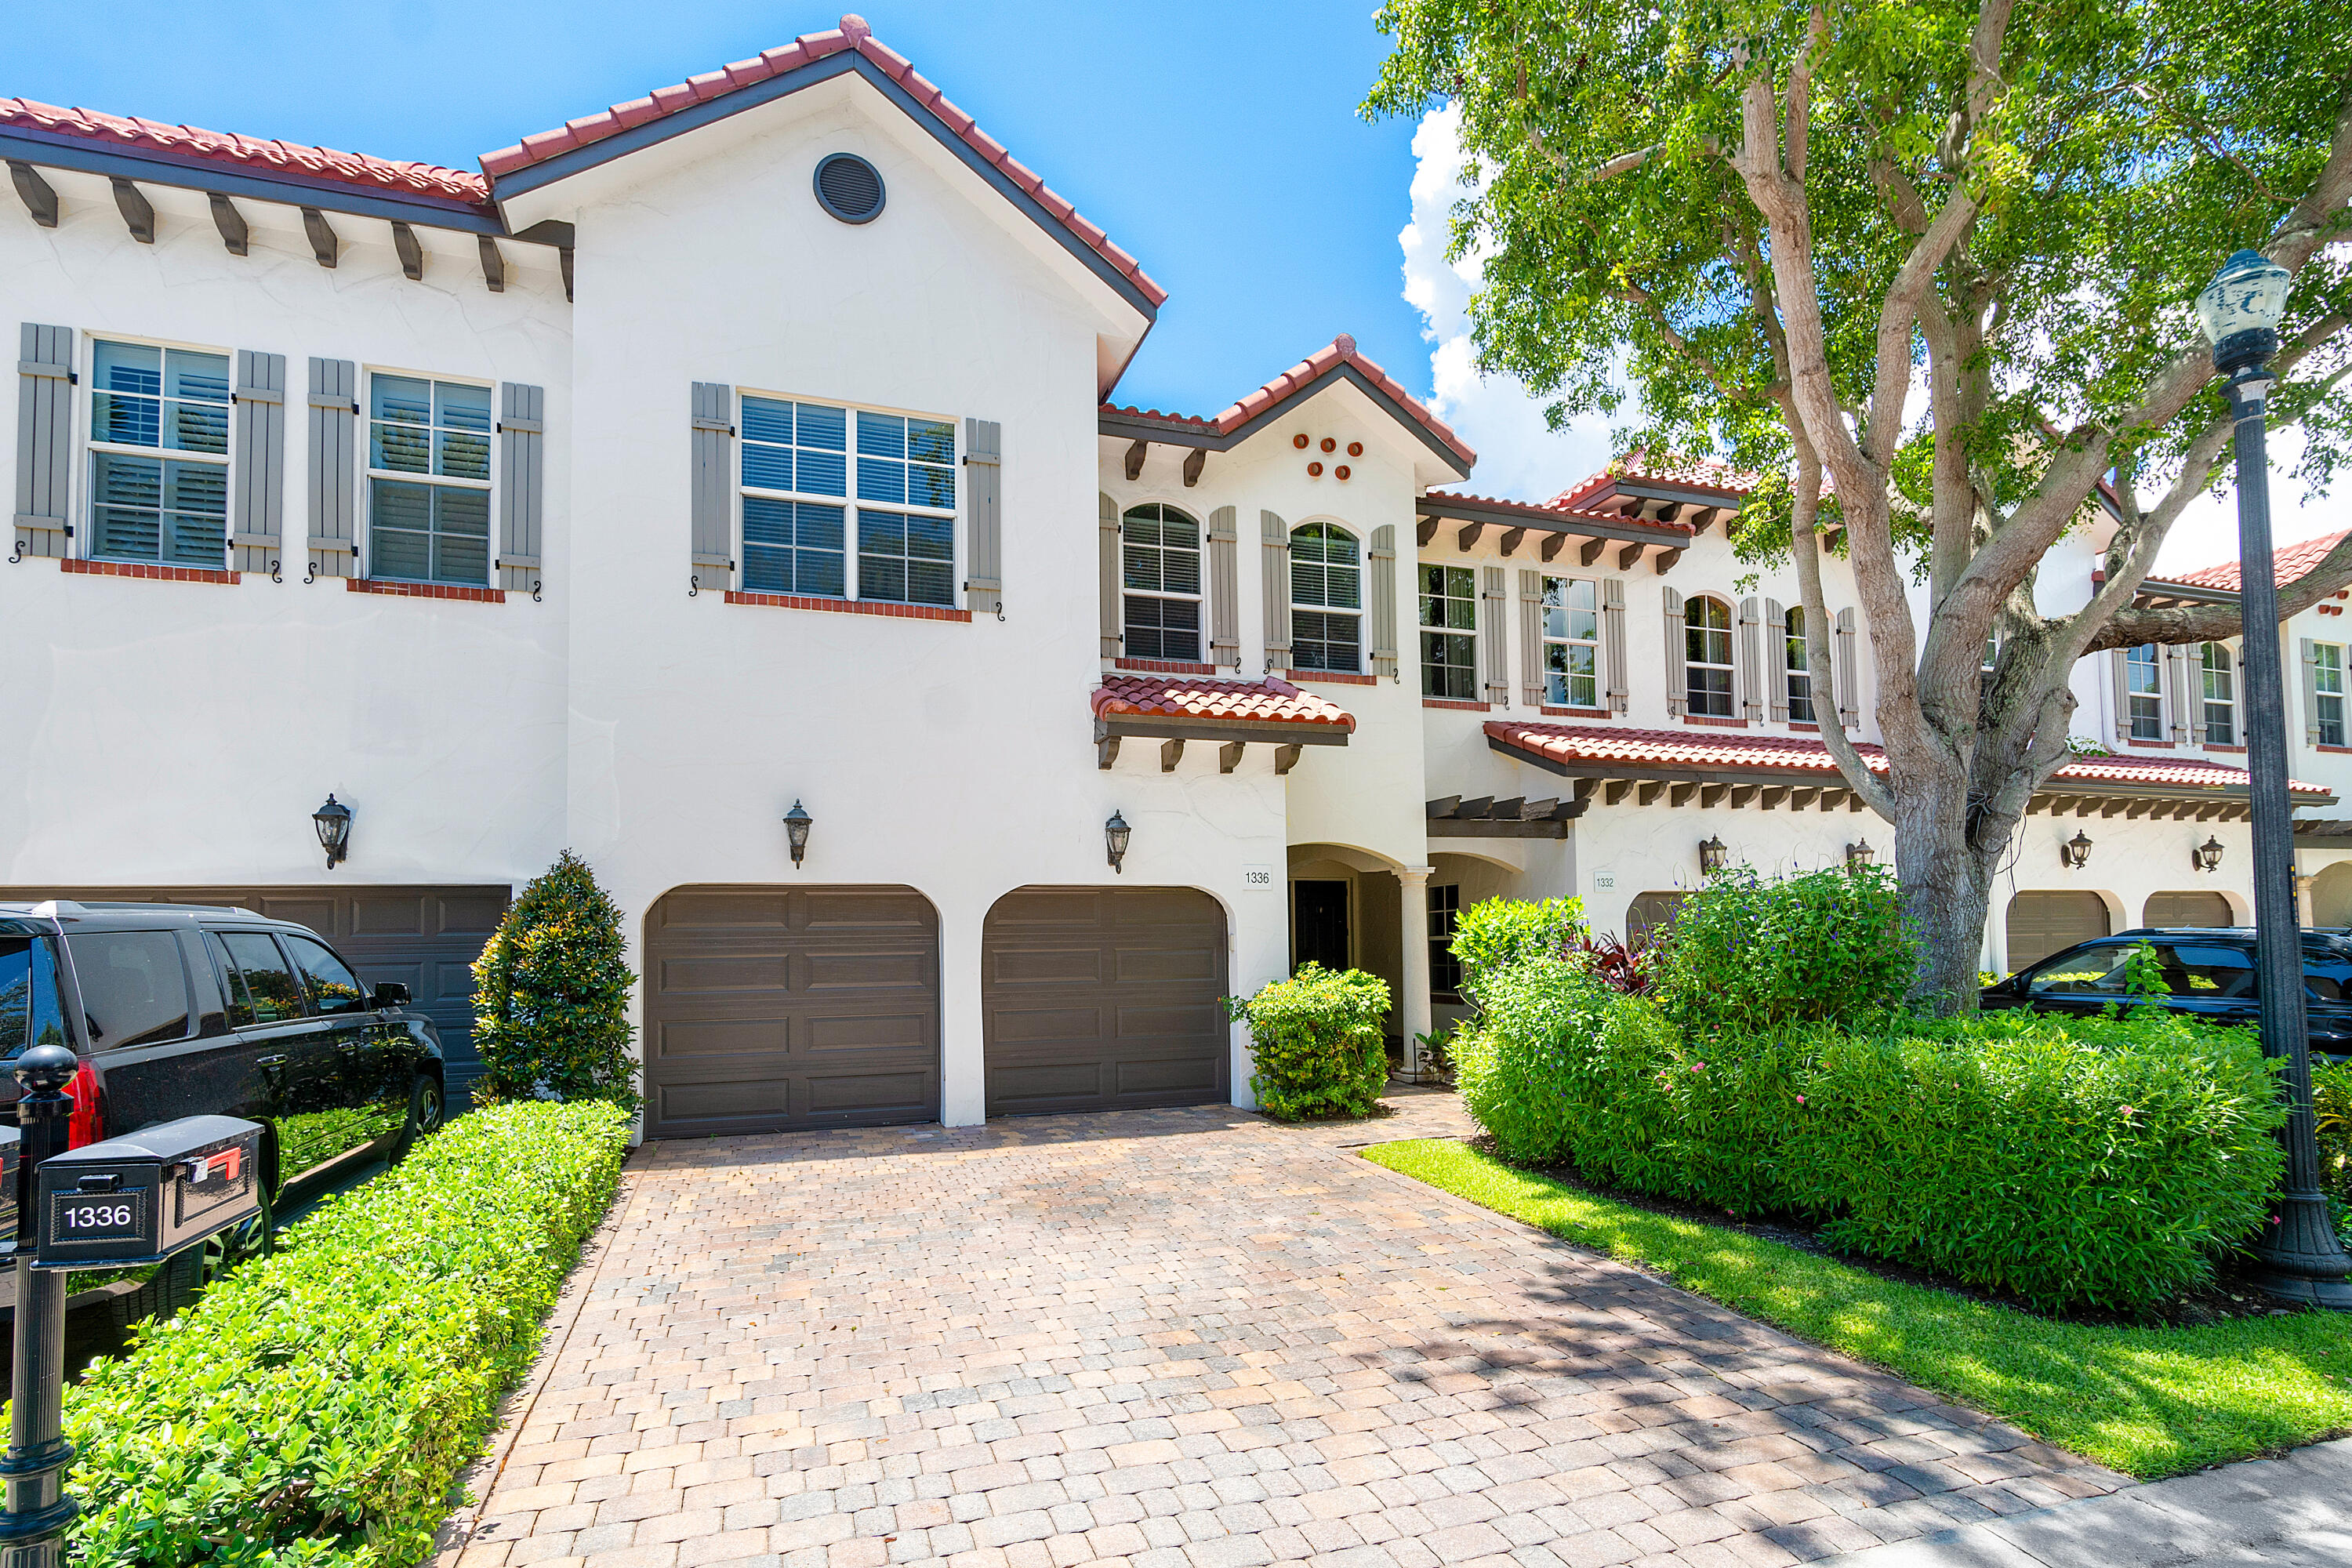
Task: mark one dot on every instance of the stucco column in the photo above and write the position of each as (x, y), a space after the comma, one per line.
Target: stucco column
(1414, 917)
(2303, 900)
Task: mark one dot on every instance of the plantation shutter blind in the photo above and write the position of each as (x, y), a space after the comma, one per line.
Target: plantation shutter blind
(1107, 579)
(1776, 660)
(334, 468)
(1751, 666)
(1531, 665)
(1274, 536)
(2119, 671)
(984, 469)
(1677, 676)
(1612, 636)
(711, 425)
(1492, 652)
(1382, 585)
(522, 484)
(258, 443)
(45, 380)
(2310, 694)
(1849, 691)
(1225, 589)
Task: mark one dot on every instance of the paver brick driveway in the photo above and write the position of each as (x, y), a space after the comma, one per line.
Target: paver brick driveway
(1183, 1339)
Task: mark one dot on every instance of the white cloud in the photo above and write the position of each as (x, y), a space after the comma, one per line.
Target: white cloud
(1519, 455)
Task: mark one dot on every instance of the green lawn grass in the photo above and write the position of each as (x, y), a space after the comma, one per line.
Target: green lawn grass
(2149, 1402)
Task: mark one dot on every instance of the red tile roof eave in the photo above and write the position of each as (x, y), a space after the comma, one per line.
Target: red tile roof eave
(1274, 703)
(2289, 564)
(1563, 517)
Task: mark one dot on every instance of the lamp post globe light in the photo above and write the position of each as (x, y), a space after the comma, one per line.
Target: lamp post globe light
(2298, 1258)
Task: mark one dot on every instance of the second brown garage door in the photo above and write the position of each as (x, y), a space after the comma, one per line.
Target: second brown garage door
(2041, 923)
(1104, 999)
(2187, 909)
(771, 1009)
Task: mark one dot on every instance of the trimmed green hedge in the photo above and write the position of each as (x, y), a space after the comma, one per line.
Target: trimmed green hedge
(317, 1405)
(2070, 1161)
(1317, 1041)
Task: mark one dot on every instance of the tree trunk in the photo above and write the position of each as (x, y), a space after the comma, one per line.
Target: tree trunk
(1946, 885)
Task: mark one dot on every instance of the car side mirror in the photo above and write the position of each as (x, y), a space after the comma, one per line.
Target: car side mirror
(390, 993)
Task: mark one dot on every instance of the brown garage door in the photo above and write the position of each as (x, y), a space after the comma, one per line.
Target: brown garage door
(2186, 910)
(1104, 999)
(768, 1009)
(2041, 923)
(425, 938)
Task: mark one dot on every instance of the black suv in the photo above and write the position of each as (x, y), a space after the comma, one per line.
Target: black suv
(182, 1010)
(2209, 971)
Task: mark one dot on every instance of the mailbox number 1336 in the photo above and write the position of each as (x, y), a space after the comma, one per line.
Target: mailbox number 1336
(97, 1216)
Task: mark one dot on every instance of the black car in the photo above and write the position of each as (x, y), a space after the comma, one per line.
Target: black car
(185, 1010)
(2209, 971)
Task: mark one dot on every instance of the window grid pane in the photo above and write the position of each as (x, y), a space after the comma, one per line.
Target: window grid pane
(2220, 681)
(1159, 565)
(1706, 657)
(1572, 632)
(421, 530)
(1798, 671)
(1321, 640)
(2327, 678)
(822, 449)
(166, 508)
(1445, 920)
(2144, 693)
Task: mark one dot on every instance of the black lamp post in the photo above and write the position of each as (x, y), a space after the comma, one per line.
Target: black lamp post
(2300, 1259)
(1115, 836)
(796, 829)
(333, 821)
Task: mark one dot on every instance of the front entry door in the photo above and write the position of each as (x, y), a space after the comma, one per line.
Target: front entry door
(1319, 925)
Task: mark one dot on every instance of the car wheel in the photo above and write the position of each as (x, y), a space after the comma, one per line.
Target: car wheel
(428, 1109)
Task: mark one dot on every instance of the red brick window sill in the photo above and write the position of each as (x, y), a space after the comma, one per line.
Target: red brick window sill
(1549, 711)
(1801, 727)
(424, 590)
(141, 568)
(1333, 678)
(850, 606)
(1710, 721)
(2151, 745)
(2336, 749)
(1164, 666)
(1449, 702)
(2235, 750)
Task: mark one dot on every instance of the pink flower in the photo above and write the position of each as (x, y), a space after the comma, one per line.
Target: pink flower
(1800, 1099)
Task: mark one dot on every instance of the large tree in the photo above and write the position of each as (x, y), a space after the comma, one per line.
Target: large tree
(1926, 265)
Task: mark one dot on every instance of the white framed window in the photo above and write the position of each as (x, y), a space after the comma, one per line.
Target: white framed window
(825, 485)
(428, 480)
(2220, 674)
(159, 454)
(1571, 642)
(1796, 666)
(1159, 563)
(1706, 657)
(2144, 692)
(1449, 633)
(1326, 598)
(2328, 683)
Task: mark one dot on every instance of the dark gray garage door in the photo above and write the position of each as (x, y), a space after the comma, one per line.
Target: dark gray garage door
(1104, 999)
(2186, 910)
(2041, 923)
(425, 938)
(775, 1008)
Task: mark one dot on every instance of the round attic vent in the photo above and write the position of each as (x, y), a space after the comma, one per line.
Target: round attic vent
(849, 188)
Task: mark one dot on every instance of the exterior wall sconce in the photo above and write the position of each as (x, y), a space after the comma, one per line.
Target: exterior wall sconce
(2075, 851)
(333, 821)
(2208, 854)
(1710, 856)
(796, 826)
(1115, 836)
(1857, 856)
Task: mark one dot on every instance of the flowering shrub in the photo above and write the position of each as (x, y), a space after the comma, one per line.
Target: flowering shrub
(1749, 952)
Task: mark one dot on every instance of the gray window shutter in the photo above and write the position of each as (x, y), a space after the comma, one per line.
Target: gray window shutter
(1493, 652)
(1849, 689)
(1380, 583)
(1751, 661)
(1678, 677)
(258, 445)
(45, 378)
(334, 471)
(2119, 668)
(1776, 661)
(1531, 665)
(984, 470)
(2310, 693)
(1107, 578)
(2180, 699)
(522, 485)
(713, 425)
(1612, 639)
(1274, 536)
(1225, 588)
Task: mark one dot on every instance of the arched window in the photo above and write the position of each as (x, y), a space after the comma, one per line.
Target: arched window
(1706, 657)
(2221, 677)
(1159, 562)
(1797, 668)
(2143, 693)
(1326, 597)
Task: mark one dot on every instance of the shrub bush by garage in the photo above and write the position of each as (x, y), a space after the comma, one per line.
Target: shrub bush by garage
(317, 1405)
(1317, 1042)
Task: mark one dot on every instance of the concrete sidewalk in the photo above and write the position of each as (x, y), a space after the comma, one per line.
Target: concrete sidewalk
(2294, 1512)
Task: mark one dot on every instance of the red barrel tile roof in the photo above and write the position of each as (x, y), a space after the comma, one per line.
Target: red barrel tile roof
(1556, 514)
(1693, 473)
(2289, 564)
(257, 157)
(1639, 749)
(1268, 702)
(1340, 351)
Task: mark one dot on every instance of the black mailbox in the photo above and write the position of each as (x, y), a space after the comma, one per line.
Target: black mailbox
(140, 1198)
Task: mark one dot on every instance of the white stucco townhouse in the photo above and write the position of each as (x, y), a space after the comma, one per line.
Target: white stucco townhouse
(726, 453)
